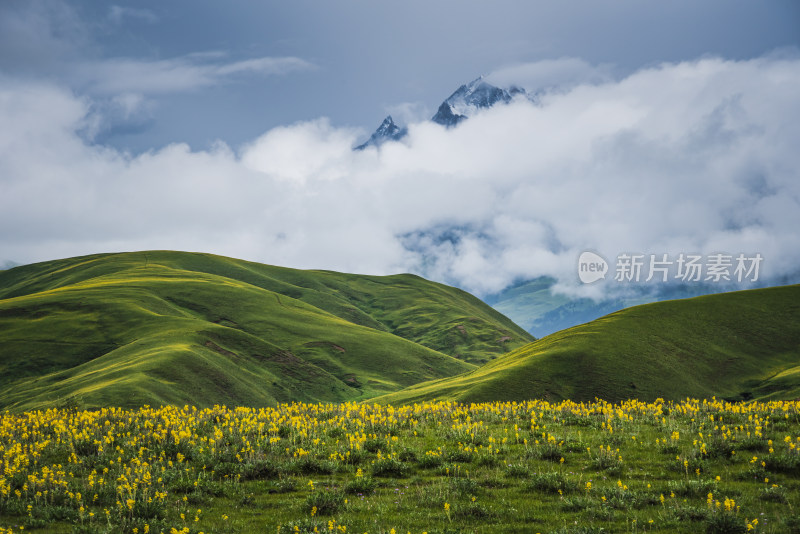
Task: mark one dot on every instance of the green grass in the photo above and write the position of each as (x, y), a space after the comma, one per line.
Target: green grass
(739, 345)
(173, 328)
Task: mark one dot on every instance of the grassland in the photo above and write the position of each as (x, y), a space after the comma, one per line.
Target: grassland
(174, 328)
(687, 467)
(739, 345)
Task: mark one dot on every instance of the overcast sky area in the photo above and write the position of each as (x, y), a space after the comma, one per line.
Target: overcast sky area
(227, 127)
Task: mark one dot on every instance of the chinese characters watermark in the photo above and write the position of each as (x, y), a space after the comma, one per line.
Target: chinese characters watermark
(712, 268)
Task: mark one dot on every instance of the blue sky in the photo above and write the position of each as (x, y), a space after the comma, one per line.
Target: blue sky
(226, 127)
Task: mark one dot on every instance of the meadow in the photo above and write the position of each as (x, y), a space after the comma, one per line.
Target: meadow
(436, 467)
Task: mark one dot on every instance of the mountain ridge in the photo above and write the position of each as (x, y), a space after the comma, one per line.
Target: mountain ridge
(465, 101)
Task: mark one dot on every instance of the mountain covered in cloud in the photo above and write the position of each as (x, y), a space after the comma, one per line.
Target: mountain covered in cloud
(470, 98)
(462, 104)
(387, 131)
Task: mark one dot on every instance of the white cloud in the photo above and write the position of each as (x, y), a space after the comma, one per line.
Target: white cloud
(408, 112)
(561, 73)
(117, 14)
(690, 157)
(310, 150)
(191, 72)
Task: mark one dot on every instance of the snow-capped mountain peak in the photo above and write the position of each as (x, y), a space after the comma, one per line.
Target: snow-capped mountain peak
(463, 103)
(388, 127)
(387, 131)
(469, 98)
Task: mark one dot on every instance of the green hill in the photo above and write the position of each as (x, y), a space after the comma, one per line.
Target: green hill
(172, 327)
(737, 345)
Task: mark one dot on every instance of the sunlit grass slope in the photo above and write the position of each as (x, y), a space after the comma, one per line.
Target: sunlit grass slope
(737, 345)
(172, 327)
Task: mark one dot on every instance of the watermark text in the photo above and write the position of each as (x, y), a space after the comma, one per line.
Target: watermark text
(632, 267)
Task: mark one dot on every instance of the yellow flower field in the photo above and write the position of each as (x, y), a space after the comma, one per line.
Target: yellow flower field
(436, 467)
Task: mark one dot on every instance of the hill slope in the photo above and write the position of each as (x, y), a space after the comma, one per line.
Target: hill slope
(734, 345)
(171, 327)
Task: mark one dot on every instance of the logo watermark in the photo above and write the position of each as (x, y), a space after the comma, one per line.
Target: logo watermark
(714, 268)
(591, 267)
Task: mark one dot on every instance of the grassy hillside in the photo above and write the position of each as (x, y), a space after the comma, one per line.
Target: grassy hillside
(737, 345)
(169, 327)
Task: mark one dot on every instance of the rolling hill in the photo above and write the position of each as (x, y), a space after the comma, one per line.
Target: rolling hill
(172, 328)
(738, 345)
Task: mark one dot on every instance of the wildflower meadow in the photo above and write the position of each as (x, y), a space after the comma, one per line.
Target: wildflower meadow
(438, 467)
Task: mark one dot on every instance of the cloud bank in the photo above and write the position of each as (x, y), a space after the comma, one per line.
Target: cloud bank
(689, 157)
